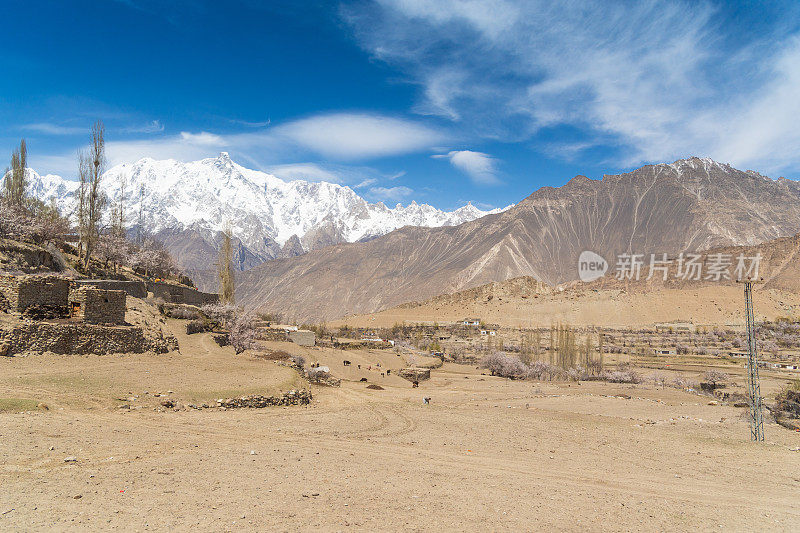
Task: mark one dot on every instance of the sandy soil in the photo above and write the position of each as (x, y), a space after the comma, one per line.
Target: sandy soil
(720, 305)
(486, 454)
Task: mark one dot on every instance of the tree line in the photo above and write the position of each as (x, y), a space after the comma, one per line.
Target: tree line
(101, 226)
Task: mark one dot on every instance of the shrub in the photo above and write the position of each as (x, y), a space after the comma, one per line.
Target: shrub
(659, 379)
(242, 332)
(223, 314)
(625, 374)
(715, 376)
(195, 326)
(317, 374)
(299, 361)
(508, 366)
(541, 370)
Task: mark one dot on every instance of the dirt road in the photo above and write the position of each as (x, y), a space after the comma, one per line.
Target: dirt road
(486, 454)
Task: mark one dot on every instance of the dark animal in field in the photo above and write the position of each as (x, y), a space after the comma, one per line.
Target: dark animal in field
(363, 379)
(346, 362)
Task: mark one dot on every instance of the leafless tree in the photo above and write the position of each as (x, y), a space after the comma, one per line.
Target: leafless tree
(92, 201)
(225, 268)
(118, 209)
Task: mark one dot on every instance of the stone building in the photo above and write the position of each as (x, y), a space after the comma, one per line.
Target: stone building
(180, 294)
(303, 337)
(97, 306)
(135, 289)
(24, 292)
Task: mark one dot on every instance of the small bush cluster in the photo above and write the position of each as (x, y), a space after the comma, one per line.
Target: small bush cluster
(196, 326)
(715, 376)
(222, 314)
(242, 332)
(624, 374)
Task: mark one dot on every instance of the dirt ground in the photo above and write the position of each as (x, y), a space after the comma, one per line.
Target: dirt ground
(486, 454)
(707, 306)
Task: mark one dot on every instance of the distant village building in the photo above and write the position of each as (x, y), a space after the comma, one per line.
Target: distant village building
(303, 337)
(665, 351)
(180, 294)
(135, 289)
(684, 327)
(786, 366)
(97, 306)
(472, 321)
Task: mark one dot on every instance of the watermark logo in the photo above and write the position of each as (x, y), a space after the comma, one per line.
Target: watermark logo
(715, 267)
(591, 266)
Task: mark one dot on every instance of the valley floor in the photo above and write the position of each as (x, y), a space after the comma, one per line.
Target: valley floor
(487, 454)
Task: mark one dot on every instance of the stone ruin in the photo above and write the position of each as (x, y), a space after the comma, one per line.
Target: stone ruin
(97, 306)
(36, 296)
(97, 319)
(293, 397)
(415, 374)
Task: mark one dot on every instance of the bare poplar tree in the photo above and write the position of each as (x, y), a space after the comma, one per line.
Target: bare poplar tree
(118, 211)
(225, 268)
(92, 201)
(140, 221)
(15, 181)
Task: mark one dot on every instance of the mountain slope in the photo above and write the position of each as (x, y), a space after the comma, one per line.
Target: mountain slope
(523, 301)
(692, 204)
(188, 204)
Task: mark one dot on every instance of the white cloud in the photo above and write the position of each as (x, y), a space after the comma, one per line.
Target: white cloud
(339, 136)
(391, 194)
(480, 167)
(303, 171)
(55, 129)
(365, 183)
(154, 126)
(203, 138)
(356, 136)
(653, 80)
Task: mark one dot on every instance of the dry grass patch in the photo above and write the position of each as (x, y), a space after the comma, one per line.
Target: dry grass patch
(17, 405)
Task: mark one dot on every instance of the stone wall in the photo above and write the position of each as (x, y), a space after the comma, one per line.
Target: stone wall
(23, 292)
(98, 306)
(136, 289)
(39, 337)
(293, 397)
(270, 334)
(415, 374)
(180, 294)
(303, 337)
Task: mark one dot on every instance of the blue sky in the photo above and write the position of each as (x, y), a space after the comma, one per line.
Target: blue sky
(434, 101)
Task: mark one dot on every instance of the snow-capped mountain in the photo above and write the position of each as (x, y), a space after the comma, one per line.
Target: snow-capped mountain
(188, 204)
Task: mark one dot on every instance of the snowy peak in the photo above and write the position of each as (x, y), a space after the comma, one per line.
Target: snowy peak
(264, 212)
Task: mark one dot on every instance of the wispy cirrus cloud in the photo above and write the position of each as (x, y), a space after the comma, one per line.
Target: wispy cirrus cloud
(154, 126)
(651, 80)
(49, 128)
(390, 194)
(480, 167)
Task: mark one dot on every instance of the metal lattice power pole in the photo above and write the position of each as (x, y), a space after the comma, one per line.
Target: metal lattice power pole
(753, 384)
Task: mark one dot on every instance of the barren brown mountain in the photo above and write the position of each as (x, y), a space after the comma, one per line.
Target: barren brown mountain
(692, 204)
(611, 302)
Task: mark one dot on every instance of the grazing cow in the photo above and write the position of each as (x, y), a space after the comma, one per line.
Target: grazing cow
(382, 374)
(388, 371)
(363, 379)
(346, 362)
(359, 367)
(426, 400)
(414, 384)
